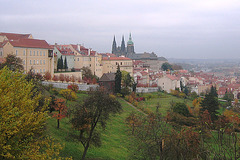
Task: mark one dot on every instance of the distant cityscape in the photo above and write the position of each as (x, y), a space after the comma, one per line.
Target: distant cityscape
(145, 68)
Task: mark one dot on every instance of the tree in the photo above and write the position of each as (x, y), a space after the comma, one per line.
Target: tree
(22, 122)
(181, 108)
(166, 66)
(61, 109)
(13, 63)
(60, 63)
(87, 73)
(92, 115)
(126, 79)
(65, 66)
(210, 103)
(47, 76)
(118, 80)
(61, 77)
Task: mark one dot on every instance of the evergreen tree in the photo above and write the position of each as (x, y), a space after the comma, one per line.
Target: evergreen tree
(61, 63)
(58, 64)
(210, 103)
(118, 79)
(65, 66)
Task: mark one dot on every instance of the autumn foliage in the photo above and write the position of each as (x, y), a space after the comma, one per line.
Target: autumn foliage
(22, 121)
(61, 109)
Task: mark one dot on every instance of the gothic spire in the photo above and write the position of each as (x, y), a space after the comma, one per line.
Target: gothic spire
(123, 49)
(114, 46)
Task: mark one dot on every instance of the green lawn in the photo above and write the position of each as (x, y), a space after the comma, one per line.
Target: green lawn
(164, 100)
(114, 138)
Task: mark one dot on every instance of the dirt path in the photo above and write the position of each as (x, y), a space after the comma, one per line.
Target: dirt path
(134, 107)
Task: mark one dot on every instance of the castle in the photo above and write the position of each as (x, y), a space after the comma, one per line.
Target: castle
(122, 50)
(150, 60)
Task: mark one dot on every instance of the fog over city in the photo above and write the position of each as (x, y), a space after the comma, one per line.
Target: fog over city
(170, 28)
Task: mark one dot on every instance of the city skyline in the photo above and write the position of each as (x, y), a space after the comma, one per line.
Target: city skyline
(172, 29)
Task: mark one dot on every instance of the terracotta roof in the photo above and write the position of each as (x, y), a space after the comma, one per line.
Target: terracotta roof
(30, 43)
(171, 77)
(65, 51)
(115, 58)
(14, 36)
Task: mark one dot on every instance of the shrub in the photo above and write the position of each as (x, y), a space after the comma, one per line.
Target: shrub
(68, 94)
(55, 78)
(61, 77)
(73, 87)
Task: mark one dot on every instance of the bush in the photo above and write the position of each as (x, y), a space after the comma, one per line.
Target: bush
(73, 87)
(68, 94)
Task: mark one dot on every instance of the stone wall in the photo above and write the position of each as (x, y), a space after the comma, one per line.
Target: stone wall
(146, 90)
(82, 87)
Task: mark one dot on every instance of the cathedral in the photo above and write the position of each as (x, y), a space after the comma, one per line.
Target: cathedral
(122, 50)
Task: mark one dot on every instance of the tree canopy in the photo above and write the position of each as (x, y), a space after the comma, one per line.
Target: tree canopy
(166, 66)
(22, 121)
(210, 103)
(13, 63)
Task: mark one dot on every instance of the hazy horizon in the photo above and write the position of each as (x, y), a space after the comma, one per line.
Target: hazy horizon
(182, 29)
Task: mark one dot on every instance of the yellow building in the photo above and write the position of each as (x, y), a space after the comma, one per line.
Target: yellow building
(110, 64)
(36, 54)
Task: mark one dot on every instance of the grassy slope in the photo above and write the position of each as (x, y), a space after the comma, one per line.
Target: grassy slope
(114, 138)
(164, 101)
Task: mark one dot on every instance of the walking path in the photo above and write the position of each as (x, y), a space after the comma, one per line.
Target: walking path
(134, 107)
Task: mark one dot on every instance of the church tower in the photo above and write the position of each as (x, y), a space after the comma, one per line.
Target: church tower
(114, 46)
(123, 49)
(130, 45)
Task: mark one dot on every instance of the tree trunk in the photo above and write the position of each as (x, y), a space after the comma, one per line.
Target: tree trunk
(58, 123)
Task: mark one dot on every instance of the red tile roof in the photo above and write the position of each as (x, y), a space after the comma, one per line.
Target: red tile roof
(65, 51)
(171, 77)
(115, 58)
(30, 43)
(14, 36)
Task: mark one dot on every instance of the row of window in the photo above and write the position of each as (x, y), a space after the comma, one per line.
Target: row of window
(39, 71)
(35, 62)
(37, 53)
(125, 63)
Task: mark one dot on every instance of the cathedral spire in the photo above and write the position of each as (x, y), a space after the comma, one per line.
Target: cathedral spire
(114, 46)
(123, 49)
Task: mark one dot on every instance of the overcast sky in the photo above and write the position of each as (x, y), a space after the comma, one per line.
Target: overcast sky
(170, 28)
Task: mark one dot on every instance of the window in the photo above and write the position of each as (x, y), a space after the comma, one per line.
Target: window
(23, 61)
(30, 61)
(37, 61)
(0, 53)
(40, 61)
(34, 53)
(90, 65)
(43, 61)
(43, 70)
(116, 63)
(24, 53)
(37, 53)
(37, 71)
(121, 63)
(78, 59)
(16, 52)
(40, 53)
(30, 53)
(33, 61)
(44, 53)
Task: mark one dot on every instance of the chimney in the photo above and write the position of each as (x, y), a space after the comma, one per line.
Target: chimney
(78, 47)
(89, 51)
